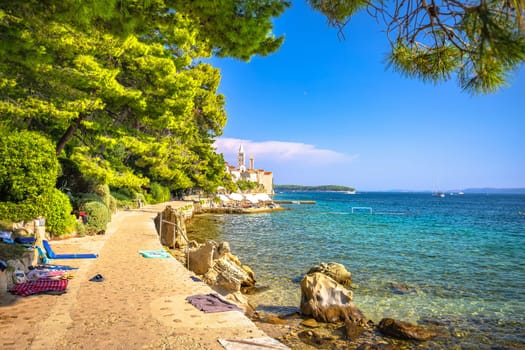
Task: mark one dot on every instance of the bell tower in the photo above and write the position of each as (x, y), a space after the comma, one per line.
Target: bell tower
(241, 159)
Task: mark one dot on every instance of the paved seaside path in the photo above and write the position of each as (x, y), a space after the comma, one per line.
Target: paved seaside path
(140, 304)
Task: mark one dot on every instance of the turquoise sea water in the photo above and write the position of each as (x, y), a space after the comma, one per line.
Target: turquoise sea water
(461, 258)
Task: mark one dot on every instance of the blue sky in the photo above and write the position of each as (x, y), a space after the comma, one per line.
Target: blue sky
(328, 111)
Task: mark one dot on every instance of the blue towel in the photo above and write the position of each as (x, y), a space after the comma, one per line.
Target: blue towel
(154, 253)
(25, 240)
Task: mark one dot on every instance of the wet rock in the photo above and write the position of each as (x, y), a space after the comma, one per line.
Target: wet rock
(251, 290)
(310, 323)
(326, 300)
(401, 288)
(248, 270)
(381, 346)
(314, 339)
(334, 270)
(272, 319)
(404, 330)
(353, 329)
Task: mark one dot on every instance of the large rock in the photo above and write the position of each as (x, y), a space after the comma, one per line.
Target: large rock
(201, 257)
(226, 275)
(334, 270)
(223, 249)
(326, 300)
(404, 330)
(171, 226)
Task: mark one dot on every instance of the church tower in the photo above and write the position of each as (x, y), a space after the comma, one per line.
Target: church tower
(241, 159)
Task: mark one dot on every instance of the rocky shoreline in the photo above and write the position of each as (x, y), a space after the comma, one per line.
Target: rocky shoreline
(326, 318)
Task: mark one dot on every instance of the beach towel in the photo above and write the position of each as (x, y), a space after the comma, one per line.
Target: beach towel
(39, 286)
(36, 274)
(51, 254)
(53, 267)
(25, 240)
(211, 303)
(154, 253)
(265, 343)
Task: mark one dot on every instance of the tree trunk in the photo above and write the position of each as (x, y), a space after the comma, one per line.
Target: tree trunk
(70, 132)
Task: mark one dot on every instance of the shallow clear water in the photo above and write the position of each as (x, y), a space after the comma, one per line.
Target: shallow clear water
(461, 257)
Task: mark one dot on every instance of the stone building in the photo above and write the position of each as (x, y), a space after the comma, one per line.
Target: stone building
(241, 172)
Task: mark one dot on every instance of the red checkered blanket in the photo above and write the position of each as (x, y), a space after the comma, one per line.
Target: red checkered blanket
(39, 286)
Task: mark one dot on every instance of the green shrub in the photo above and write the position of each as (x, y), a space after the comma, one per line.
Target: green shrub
(113, 205)
(28, 165)
(159, 193)
(98, 216)
(103, 192)
(82, 198)
(57, 211)
(21, 211)
(123, 201)
(126, 192)
(54, 205)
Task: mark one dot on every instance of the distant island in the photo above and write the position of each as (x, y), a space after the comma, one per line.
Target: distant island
(321, 188)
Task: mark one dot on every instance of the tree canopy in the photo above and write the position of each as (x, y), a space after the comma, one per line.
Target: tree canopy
(481, 42)
(119, 87)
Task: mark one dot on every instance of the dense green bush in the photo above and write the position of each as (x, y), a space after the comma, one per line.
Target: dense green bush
(158, 193)
(53, 205)
(123, 201)
(28, 165)
(81, 198)
(98, 216)
(128, 198)
(103, 192)
(113, 205)
(57, 211)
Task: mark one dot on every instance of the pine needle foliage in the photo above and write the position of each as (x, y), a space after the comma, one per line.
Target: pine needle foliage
(480, 42)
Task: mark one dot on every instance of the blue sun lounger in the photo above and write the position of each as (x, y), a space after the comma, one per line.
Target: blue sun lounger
(51, 254)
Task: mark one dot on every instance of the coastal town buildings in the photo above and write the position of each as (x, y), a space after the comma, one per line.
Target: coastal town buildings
(241, 172)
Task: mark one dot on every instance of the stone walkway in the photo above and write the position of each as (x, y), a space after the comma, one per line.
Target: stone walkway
(140, 304)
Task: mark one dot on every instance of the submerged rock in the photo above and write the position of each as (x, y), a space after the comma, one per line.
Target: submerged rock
(400, 288)
(315, 339)
(404, 330)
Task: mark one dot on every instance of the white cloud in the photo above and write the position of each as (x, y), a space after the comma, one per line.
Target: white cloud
(280, 151)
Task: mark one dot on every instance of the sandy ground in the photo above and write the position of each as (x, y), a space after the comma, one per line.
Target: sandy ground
(140, 304)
